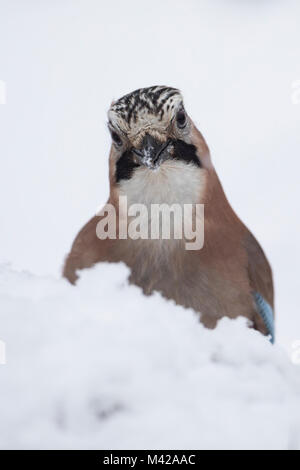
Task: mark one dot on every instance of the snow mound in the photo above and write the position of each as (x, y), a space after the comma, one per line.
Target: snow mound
(100, 365)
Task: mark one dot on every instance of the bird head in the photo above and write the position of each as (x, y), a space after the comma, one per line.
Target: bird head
(151, 131)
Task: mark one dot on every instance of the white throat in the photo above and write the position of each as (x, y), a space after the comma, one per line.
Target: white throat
(174, 182)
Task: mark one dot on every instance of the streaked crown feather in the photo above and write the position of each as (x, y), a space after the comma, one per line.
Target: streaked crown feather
(144, 108)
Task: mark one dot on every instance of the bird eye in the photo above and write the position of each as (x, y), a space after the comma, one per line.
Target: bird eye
(181, 119)
(116, 139)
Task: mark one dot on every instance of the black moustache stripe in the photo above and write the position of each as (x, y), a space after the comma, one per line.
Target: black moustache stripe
(184, 152)
(125, 166)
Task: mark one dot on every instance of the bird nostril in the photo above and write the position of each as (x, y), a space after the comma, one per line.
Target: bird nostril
(161, 150)
(138, 156)
(150, 153)
(138, 152)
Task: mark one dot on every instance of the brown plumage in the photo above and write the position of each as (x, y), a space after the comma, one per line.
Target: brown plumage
(217, 280)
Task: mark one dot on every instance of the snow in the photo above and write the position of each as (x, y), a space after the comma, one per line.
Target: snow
(99, 365)
(237, 65)
(82, 372)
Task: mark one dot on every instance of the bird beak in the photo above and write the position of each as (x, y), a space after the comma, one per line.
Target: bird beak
(152, 152)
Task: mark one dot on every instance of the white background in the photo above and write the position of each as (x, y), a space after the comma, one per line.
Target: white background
(64, 61)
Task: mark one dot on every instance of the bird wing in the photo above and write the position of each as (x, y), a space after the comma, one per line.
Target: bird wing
(86, 250)
(259, 270)
(261, 282)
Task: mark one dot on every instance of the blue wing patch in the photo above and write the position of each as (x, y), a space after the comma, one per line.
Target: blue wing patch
(266, 313)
